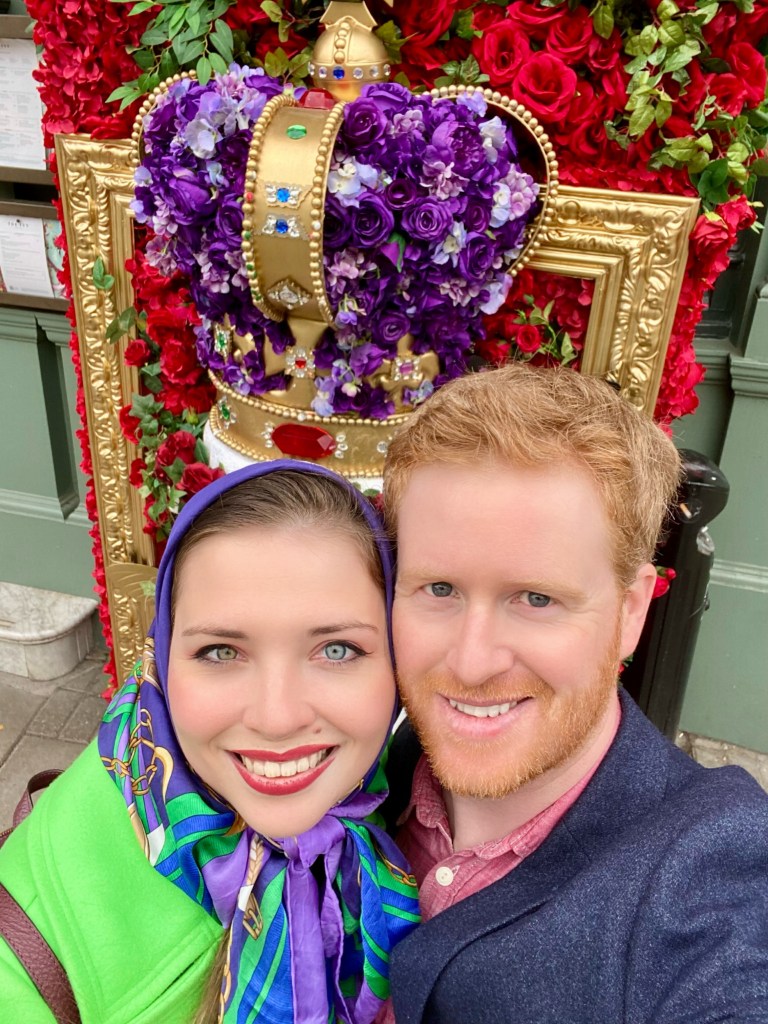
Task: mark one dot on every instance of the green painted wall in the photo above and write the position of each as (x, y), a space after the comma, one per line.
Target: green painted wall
(727, 693)
(44, 538)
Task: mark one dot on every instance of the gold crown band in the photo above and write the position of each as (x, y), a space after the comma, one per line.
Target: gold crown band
(248, 423)
(283, 203)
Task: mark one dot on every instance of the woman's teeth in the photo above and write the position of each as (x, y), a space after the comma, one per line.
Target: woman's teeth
(284, 769)
(490, 711)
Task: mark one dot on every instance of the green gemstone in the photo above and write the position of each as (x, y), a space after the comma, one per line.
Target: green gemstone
(246, 234)
(296, 131)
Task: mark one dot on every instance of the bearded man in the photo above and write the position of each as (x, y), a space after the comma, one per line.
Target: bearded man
(574, 865)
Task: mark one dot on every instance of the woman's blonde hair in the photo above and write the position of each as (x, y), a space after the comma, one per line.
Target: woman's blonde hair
(527, 417)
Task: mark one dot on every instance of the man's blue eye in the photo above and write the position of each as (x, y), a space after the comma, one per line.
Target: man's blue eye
(538, 600)
(440, 589)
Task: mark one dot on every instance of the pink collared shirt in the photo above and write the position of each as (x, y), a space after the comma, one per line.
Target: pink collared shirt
(444, 876)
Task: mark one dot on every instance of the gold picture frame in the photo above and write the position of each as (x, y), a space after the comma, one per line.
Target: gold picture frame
(633, 246)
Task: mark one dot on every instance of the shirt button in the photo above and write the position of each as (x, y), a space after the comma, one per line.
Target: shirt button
(444, 876)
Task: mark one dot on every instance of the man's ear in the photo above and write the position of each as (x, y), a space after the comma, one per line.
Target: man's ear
(637, 597)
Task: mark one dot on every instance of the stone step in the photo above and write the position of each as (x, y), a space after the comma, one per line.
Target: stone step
(43, 634)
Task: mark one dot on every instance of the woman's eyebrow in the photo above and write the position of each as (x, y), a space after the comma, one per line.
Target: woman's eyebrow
(339, 627)
(220, 632)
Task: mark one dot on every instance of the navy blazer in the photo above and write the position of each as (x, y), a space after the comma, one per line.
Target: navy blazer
(648, 904)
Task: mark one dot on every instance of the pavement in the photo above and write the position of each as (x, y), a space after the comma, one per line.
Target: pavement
(46, 725)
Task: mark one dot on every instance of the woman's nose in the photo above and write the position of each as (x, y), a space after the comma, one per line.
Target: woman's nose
(277, 705)
(480, 647)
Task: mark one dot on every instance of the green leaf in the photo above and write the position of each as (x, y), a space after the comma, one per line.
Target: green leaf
(203, 70)
(154, 37)
(219, 65)
(223, 34)
(648, 38)
(568, 352)
(101, 279)
(144, 58)
(759, 167)
(178, 21)
(713, 182)
(120, 326)
(666, 10)
(170, 62)
(678, 58)
(461, 26)
(603, 20)
(201, 452)
(641, 120)
(272, 10)
(276, 63)
(671, 33)
(663, 112)
(127, 93)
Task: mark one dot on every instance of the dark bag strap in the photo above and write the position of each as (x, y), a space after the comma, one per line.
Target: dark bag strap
(23, 937)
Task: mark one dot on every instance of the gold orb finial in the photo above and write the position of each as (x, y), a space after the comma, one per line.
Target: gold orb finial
(348, 55)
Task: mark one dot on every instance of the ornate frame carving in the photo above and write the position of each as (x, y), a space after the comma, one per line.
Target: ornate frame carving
(632, 245)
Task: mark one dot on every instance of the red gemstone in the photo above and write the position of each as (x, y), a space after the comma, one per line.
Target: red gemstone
(249, 197)
(300, 364)
(303, 441)
(317, 98)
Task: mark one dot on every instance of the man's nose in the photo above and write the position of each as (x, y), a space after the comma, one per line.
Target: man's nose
(480, 647)
(277, 704)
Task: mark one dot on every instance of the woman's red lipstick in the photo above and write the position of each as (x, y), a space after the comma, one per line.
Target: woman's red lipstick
(281, 785)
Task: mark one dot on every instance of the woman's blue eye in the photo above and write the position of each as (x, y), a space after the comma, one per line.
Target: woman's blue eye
(440, 589)
(337, 651)
(537, 600)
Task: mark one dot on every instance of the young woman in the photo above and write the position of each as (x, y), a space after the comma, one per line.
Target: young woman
(244, 755)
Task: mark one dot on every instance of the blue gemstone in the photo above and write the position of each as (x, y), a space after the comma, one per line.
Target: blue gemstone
(281, 227)
(338, 73)
(283, 194)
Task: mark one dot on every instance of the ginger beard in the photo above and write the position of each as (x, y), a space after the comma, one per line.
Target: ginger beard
(494, 768)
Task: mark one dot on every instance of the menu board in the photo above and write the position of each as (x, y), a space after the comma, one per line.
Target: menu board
(25, 267)
(21, 112)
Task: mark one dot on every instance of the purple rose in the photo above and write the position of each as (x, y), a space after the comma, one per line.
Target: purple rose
(229, 223)
(188, 198)
(366, 358)
(389, 328)
(429, 219)
(476, 258)
(364, 122)
(400, 193)
(477, 215)
(336, 226)
(372, 221)
(390, 97)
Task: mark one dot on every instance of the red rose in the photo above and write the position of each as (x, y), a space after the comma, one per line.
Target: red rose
(718, 33)
(749, 65)
(137, 353)
(738, 215)
(245, 15)
(130, 424)
(501, 51)
(534, 19)
(528, 338)
(710, 241)
(485, 15)
(571, 35)
(546, 86)
(197, 476)
(179, 445)
(198, 399)
(178, 363)
(662, 582)
(494, 350)
(730, 93)
(135, 476)
(425, 22)
(269, 40)
(613, 84)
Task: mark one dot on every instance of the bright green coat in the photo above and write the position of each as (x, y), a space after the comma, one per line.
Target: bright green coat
(135, 948)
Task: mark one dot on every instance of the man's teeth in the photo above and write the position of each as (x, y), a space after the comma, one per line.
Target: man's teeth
(491, 711)
(284, 769)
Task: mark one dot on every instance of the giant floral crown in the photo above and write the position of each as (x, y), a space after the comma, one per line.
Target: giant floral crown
(341, 252)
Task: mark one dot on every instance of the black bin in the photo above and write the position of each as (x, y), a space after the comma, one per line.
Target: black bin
(658, 673)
